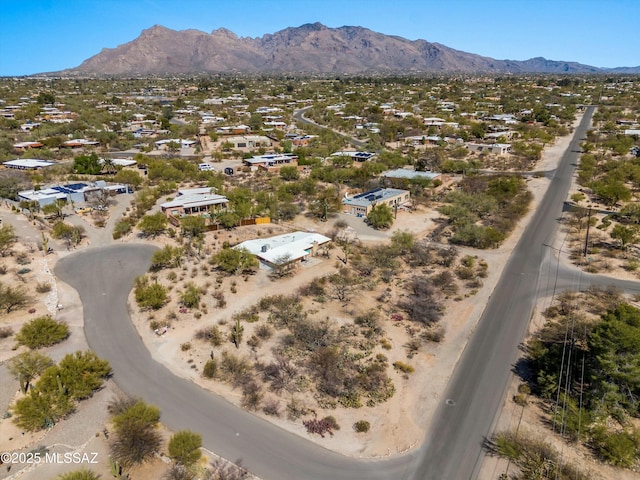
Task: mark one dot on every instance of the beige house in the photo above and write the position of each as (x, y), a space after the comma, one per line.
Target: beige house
(362, 204)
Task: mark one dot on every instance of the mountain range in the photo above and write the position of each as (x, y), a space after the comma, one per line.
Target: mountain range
(310, 48)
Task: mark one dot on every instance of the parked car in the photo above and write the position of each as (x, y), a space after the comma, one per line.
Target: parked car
(83, 210)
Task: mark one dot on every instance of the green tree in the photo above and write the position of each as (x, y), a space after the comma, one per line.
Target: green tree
(326, 204)
(8, 238)
(192, 226)
(87, 164)
(166, 257)
(611, 191)
(41, 409)
(55, 209)
(626, 234)
(13, 298)
(153, 225)
(184, 447)
(128, 177)
(136, 437)
(402, 241)
(72, 234)
(380, 216)
(27, 366)
(235, 261)
(78, 374)
(289, 173)
(42, 332)
(148, 294)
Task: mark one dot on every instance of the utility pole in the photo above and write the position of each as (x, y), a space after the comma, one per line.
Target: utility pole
(586, 240)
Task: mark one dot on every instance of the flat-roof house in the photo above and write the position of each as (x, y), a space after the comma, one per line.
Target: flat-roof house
(182, 143)
(357, 156)
(272, 162)
(24, 146)
(410, 174)
(79, 143)
(363, 203)
(28, 163)
(249, 141)
(497, 148)
(194, 203)
(287, 248)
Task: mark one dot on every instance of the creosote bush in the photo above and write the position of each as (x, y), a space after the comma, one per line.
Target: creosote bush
(361, 426)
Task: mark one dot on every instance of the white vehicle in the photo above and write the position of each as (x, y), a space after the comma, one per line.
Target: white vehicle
(205, 167)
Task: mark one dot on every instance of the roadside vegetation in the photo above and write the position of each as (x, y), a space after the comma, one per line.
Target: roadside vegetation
(582, 367)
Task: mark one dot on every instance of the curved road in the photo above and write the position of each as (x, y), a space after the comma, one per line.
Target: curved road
(299, 116)
(453, 446)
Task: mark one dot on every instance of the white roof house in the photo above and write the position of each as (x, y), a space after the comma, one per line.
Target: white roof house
(28, 163)
(291, 247)
(193, 203)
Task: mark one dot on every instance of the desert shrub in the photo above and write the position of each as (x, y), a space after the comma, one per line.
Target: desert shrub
(211, 334)
(617, 448)
(403, 367)
(235, 369)
(271, 407)
(185, 346)
(43, 287)
(122, 228)
(210, 369)
(184, 447)
(361, 426)
(251, 395)
(322, 426)
(422, 305)
(81, 474)
(264, 331)
(119, 404)
(434, 334)
(179, 472)
(5, 332)
(42, 332)
(532, 456)
(190, 297)
(296, 409)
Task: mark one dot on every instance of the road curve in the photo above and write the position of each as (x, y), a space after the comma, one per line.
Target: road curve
(103, 278)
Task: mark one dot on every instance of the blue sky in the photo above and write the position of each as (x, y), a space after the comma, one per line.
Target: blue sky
(49, 35)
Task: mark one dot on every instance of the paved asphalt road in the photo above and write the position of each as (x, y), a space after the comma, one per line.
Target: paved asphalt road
(453, 447)
(104, 277)
(299, 116)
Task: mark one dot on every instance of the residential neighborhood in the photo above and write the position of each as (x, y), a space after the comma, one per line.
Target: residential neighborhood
(316, 251)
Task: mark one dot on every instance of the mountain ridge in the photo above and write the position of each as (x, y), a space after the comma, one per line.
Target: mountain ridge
(309, 48)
